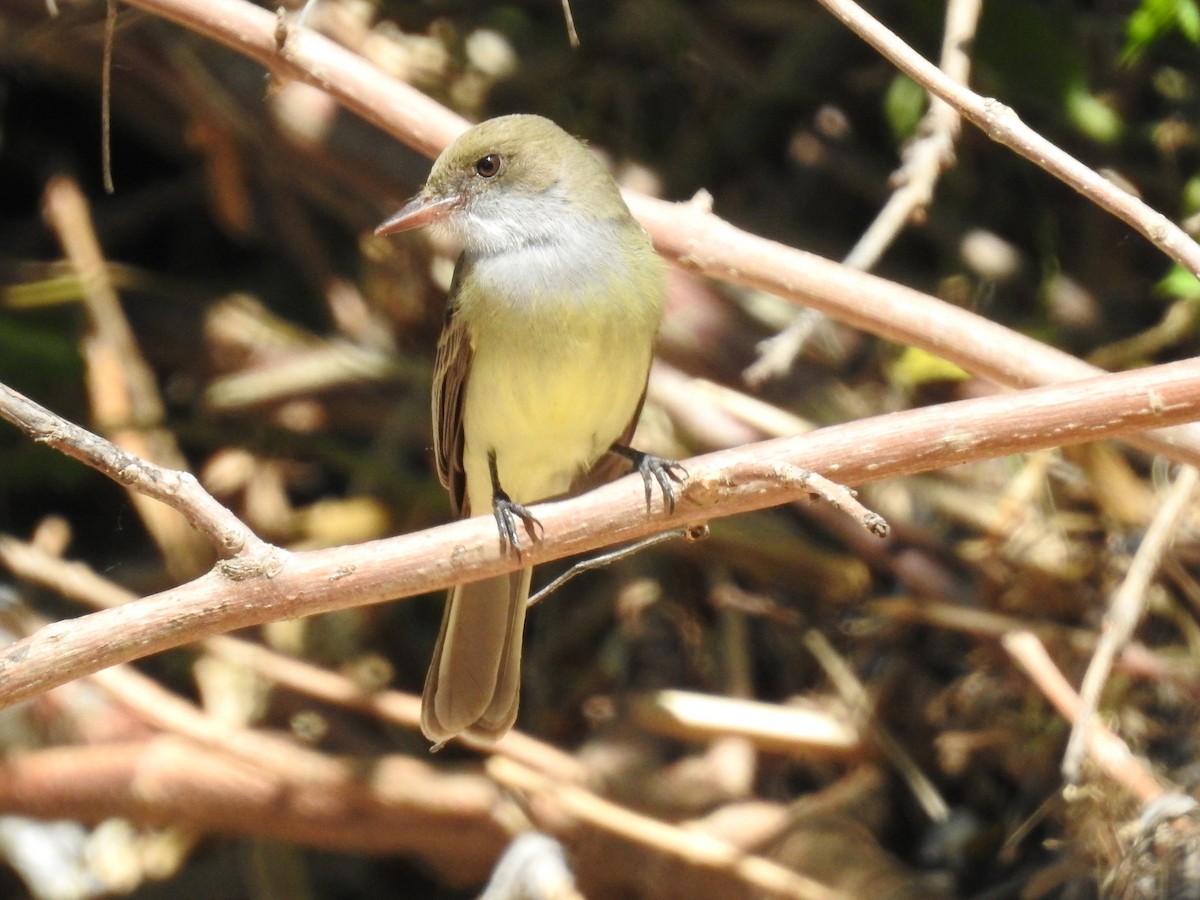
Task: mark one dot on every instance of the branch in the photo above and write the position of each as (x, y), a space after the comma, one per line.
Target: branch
(702, 850)
(696, 238)
(1110, 754)
(1003, 125)
(169, 779)
(345, 792)
(755, 476)
(1125, 611)
(121, 386)
(707, 244)
(924, 160)
(178, 490)
(932, 152)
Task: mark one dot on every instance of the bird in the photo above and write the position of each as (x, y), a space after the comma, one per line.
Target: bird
(539, 379)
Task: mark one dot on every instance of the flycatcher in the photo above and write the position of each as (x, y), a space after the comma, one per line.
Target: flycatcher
(541, 370)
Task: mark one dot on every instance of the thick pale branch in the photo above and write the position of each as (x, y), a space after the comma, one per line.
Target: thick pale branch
(698, 239)
(708, 244)
(720, 484)
(168, 779)
(304, 55)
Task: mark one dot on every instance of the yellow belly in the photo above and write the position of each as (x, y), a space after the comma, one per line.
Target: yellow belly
(548, 408)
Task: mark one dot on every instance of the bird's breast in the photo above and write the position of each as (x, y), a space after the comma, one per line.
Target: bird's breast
(559, 363)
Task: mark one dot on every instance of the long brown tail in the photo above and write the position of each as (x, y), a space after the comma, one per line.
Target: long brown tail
(474, 681)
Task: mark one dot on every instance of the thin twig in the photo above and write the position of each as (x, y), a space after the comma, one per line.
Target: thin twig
(1109, 752)
(569, 18)
(122, 387)
(855, 696)
(1001, 124)
(838, 496)
(1125, 610)
(778, 353)
(696, 847)
(179, 490)
(302, 16)
(933, 151)
(924, 161)
(607, 559)
(110, 36)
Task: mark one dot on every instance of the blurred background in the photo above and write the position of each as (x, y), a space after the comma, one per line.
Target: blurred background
(265, 340)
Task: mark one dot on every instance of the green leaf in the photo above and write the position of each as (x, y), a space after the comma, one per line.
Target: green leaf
(1187, 19)
(1093, 116)
(904, 104)
(1179, 284)
(916, 367)
(1190, 201)
(1155, 19)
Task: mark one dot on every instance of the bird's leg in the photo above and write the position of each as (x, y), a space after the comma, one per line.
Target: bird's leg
(655, 469)
(507, 511)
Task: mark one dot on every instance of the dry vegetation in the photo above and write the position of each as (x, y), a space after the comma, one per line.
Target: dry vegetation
(784, 703)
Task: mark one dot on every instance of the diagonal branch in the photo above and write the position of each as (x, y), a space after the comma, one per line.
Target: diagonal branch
(925, 157)
(755, 476)
(178, 490)
(932, 151)
(1003, 125)
(706, 244)
(1125, 610)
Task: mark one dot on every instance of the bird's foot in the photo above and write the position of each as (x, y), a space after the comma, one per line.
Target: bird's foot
(666, 473)
(507, 511)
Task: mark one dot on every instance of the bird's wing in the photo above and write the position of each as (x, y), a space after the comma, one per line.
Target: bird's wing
(449, 387)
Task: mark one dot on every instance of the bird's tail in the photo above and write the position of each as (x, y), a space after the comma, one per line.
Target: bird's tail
(474, 681)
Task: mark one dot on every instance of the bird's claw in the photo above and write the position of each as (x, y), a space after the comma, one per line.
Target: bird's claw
(507, 511)
(663, 471)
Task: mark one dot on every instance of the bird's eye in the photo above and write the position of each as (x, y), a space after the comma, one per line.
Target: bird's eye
(488, 166)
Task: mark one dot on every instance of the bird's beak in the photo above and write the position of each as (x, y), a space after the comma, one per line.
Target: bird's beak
(418, 212)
